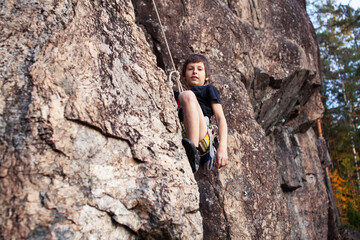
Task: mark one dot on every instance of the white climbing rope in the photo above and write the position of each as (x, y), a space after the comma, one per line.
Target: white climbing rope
(167, 46)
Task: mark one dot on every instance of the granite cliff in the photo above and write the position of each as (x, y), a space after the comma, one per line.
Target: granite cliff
(90, 140)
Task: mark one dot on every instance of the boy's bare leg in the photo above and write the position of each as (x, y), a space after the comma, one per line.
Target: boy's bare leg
(194, 121)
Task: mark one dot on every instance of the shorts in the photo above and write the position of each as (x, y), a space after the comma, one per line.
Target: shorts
(204, 144)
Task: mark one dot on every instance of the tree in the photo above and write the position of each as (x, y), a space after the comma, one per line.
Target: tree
(338, 32)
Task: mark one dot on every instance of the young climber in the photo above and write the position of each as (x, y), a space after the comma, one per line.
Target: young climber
(201, 100)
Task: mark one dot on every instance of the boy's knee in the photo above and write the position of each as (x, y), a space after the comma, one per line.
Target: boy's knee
(187, 96)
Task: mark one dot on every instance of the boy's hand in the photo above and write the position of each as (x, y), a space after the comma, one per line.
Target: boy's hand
(221, 157)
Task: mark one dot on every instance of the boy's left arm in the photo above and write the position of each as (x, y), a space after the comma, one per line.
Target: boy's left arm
(221, 153)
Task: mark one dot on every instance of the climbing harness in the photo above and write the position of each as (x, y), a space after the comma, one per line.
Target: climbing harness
(167, 46)
(207, 146)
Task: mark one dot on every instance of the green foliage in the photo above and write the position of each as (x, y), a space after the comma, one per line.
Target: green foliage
(353, 216)
(338, 32)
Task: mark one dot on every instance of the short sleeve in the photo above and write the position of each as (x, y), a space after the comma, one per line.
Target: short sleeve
(213, 93)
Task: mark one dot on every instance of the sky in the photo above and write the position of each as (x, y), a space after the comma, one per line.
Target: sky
(355, 4)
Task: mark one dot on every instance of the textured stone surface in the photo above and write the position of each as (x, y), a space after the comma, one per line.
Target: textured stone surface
(89, 131)
(265, 62)
(302, 183)
(90, 138)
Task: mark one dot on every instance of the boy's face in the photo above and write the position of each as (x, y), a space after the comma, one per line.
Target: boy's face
(195, 74)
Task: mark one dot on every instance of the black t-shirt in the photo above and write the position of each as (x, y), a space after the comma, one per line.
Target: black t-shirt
(204, 94)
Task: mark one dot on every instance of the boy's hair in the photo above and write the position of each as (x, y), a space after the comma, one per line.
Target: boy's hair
(195, 58)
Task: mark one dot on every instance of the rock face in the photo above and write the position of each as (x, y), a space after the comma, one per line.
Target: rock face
(91, 144)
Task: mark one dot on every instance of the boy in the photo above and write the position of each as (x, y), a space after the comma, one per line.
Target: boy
(198, 102)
